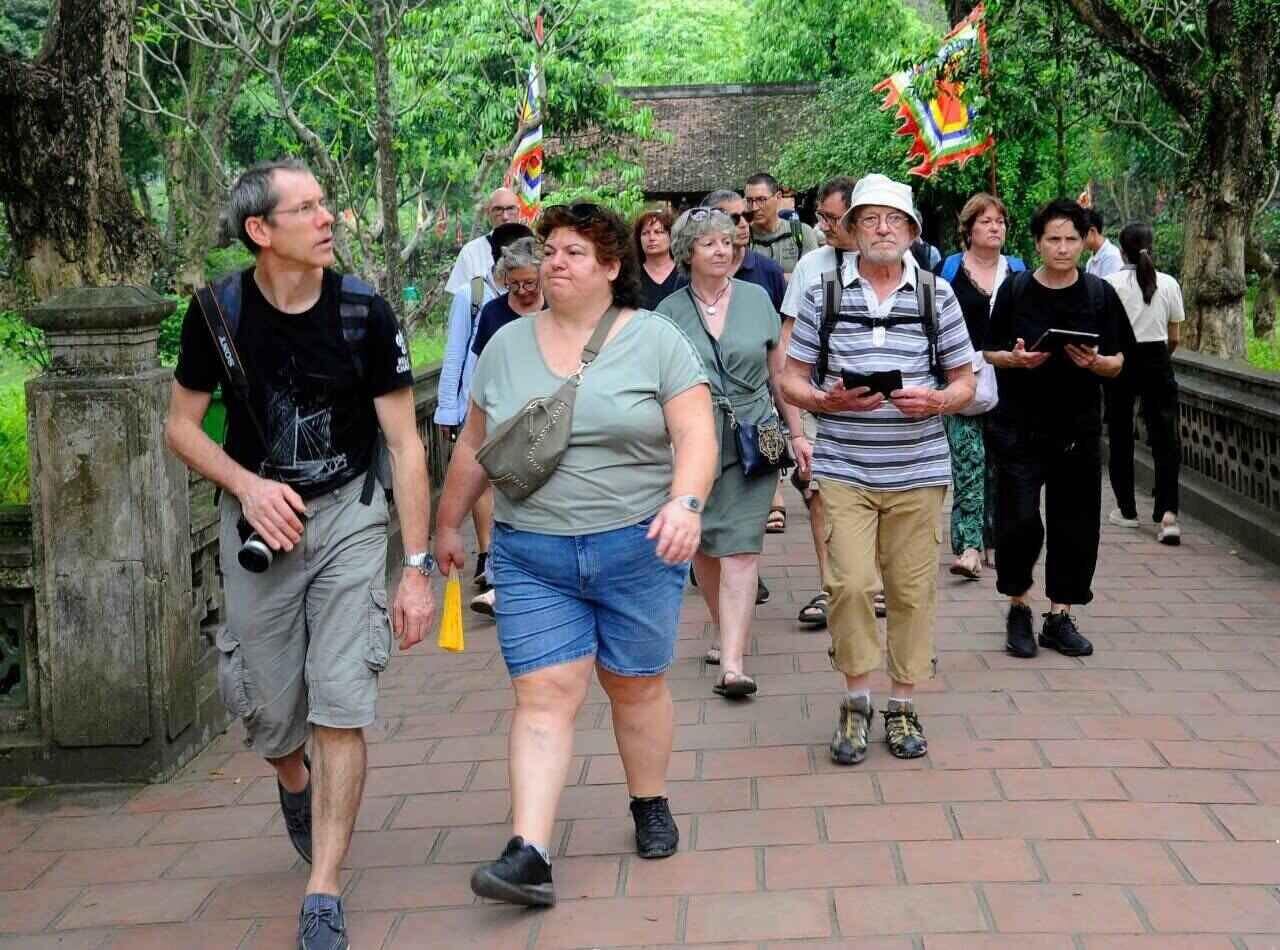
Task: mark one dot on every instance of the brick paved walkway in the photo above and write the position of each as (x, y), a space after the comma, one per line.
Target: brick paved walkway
(1130, 800)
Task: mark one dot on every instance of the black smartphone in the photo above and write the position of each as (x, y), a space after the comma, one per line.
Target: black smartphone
(883, 382)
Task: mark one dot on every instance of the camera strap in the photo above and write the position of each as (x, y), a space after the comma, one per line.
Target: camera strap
(225, 345)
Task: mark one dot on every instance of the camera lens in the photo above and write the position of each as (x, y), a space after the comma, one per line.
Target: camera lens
(254, 555)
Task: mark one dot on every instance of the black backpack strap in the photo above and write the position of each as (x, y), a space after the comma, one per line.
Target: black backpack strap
(220, 307)
(927, 302)
(797, 234)
(355, 302)
(832, 290)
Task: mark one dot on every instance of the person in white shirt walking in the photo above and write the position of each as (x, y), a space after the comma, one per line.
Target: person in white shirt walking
(1153, 302)
(1104, 259)
(476, 257)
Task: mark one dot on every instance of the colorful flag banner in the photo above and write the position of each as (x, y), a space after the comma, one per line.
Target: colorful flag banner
(942, 128)
(524, 177)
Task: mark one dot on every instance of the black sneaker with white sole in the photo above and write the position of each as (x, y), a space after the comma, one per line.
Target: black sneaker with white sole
(519, 876)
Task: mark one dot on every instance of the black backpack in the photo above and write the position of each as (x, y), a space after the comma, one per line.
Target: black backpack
(926, 303)
(221, 303)
(796, 234)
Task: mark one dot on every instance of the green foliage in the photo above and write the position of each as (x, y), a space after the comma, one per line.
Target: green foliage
(21, 343)
(221, 261)
(670, 42)
(427, 347)
(22, 25)
(1261, 352)
(14, 463)
(170, 341)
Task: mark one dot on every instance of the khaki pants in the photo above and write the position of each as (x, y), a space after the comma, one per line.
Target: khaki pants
(902, 531)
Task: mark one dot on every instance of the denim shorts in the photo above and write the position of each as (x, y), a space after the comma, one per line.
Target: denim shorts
(562, 597)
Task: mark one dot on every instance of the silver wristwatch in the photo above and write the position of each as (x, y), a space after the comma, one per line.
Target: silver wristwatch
(423, 563)
(690, 503)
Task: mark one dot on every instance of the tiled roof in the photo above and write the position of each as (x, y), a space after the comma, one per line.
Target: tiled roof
(718, 135)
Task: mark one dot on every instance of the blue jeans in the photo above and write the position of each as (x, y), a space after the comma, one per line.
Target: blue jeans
(608, 595)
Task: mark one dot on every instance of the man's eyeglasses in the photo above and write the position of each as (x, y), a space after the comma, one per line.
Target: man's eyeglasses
(753, 202)
(308, 209)
(524, 286)
(831, 220)
(871, 222)
(503, 209)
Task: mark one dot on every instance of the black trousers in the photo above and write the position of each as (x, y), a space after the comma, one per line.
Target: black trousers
(1148, 376)
(1070, 474)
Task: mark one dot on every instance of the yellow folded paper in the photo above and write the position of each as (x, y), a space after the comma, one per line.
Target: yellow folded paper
(451, 637)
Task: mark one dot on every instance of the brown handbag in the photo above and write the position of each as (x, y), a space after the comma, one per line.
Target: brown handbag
(524, 450)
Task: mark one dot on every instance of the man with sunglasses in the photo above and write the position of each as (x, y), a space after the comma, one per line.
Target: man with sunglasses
(312, 365)
(782, 240)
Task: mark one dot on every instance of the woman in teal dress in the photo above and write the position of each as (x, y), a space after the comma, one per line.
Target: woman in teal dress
(717, 312)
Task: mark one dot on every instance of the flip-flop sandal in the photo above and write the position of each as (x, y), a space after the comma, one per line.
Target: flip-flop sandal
(960, 569)
(740, 687)
(776, 525)
(713, 656)
(815, 611)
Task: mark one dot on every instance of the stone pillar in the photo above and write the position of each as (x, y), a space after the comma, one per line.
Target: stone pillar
(112, 555)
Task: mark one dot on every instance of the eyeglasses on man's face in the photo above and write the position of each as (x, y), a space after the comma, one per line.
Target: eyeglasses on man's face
(830, 220)
(524, 286)
(872, 221)
(758, 200)
(503, 210)
(306, 210)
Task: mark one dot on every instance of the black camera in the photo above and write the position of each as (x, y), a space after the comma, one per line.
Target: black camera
(255, 555)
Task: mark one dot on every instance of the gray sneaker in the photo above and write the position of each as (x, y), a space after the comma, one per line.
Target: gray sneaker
(322, 925)
(849, 744)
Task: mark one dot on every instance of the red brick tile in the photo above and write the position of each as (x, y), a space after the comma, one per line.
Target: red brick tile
(607, 769)
(268, 855)
(616, 835)
(476, 843)
(445, 725)
(212, 824)
(404, 888)
(73, 834)
(1248, 703)
(416, 779)
(1055, 908)
(1104, 753)
(30, 911)
(998, 942)
(1250, 822)
(1143, 821)
(385, 754)
(865, 943)
(1024, 727)
(827, 865)
(740, 828)
(1107, 862)
(77, 940)
(588, 877)
(13, 833)
(19, 869)
(1234, 727)
(1231, 862)
(1265, 785)
(1162, 942)
(1047, 784)
(846, 788)
(143, 903)
(470, 749)
(365, 930)
(112, 865)
(68, 802)
(936, 908)
(983, 754)
(1132, 727)
(450, 809)
(1093, 679)
(609, 922)
(1263, 943)
(1217, 755)
(180, 796)
(1059, 702)
(482, 927)
(262, 895)
(692, 872)
(887, 823)
(1035, 820)
(1194, 680)
(1166, 703)
(373, 849)
(946, 862)
(1183, 785)
(735, 763)
(1015, 680)
(777, 916)
(1227, 909)
(927, 786)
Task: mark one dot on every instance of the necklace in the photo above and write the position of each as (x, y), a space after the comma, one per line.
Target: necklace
(710, 308)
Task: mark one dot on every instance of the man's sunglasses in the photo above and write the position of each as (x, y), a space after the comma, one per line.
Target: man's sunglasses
(697, 214)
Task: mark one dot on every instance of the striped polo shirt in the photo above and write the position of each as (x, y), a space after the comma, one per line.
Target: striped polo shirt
(882, 450)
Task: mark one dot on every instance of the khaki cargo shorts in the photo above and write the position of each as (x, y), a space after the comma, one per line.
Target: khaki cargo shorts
(305, 640)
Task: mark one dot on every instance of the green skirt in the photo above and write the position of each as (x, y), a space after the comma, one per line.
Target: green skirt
(736, 512)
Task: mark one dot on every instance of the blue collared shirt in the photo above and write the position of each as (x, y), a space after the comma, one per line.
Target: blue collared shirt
(760, 270)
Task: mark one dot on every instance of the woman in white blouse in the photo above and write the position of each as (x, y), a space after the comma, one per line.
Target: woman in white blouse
(1153, 301)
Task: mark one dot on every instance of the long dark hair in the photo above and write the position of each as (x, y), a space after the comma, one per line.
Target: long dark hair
(1135, 244)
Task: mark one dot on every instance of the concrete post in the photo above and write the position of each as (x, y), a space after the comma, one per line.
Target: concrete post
(116, 639)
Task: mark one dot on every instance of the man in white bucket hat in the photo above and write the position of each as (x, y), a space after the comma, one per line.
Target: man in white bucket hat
(881, 454)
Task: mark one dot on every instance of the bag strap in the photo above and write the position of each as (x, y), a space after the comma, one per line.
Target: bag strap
(596, 343)
(832, 289)
(797, 234)
(927, 301)
(715, 349)
(224, 345)
(951, 267)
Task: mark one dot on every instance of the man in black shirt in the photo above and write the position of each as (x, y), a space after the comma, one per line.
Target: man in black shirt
(305, 639)
(1045, 431)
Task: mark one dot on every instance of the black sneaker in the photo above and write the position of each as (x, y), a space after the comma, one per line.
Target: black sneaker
(656, 833)
(849, 744)
(762, 592)
(903, 733)
(1020, 636)
(1060, 633)
(520, 876)
(321, 925)
(480, 580)
(297, 814)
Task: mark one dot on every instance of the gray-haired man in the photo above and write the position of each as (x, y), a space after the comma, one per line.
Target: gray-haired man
(326, 367)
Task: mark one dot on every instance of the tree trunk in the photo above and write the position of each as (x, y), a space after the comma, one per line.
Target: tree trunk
(388, 169)
(1213, 279)
(1268, 270)
(70, 213)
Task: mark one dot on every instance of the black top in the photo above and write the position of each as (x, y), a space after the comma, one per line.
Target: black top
(653, 292)
(317, 412)
(764, 272)
(975, 303)
(1058, 399)
(494, 315)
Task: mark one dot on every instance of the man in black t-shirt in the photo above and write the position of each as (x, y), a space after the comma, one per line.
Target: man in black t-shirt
(1045, 431)
(305, 639)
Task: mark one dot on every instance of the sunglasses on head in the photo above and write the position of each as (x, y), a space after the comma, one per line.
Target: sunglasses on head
(584, 212)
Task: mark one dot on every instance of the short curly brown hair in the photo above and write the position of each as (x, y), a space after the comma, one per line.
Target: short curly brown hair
(660, 215)
(610, 237)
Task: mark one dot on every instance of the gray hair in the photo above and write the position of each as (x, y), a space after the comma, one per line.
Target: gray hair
(522, 252)
(717, 198)
(693, 224)
(252, 196)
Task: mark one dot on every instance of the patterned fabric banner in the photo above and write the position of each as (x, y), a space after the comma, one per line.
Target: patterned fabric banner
(942, 128)
(524, 177)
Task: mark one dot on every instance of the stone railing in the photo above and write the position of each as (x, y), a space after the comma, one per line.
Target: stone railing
(1229, 421)
(19, 677)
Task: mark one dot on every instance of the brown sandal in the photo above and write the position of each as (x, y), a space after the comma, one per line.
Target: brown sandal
(776, 525)
(739, 687)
